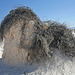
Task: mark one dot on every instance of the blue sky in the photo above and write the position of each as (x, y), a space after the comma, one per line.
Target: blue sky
(56, 10)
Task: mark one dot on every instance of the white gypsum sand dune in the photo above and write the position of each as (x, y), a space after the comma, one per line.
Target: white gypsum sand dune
(73, 33)
(1, 48)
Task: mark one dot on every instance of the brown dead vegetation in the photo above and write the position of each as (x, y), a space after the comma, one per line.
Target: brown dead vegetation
(29, 39)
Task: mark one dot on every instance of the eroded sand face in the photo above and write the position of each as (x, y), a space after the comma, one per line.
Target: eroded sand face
(13, 54)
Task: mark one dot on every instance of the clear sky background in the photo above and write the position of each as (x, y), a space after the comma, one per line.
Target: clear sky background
(56, 10)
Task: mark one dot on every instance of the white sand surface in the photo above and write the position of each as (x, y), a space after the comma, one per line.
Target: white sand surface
(58, 65)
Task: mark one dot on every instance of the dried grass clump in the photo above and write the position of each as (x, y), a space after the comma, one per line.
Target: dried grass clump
(39, 39)
(62, 38)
